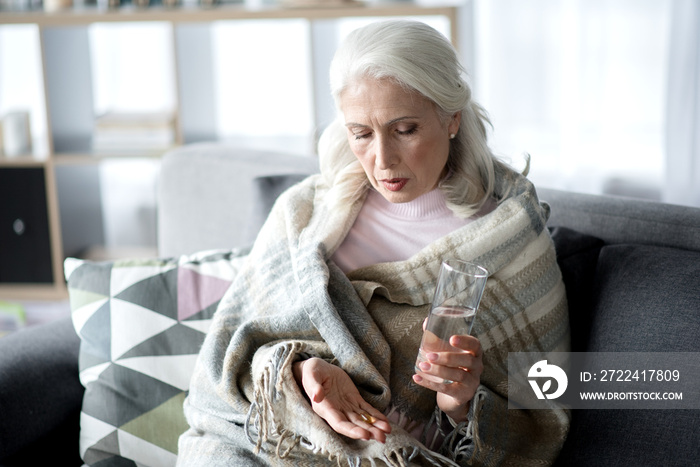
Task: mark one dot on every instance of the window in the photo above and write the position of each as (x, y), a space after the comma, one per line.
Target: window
(580, 85)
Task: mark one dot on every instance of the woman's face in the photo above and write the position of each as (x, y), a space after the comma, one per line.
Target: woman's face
(397, 136)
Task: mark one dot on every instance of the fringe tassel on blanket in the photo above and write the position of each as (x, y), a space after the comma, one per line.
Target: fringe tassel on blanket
(465, 436)
(260, 426)
(473, 426)
(261, 409)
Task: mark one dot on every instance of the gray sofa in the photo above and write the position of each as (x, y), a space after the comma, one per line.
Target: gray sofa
(631, 269)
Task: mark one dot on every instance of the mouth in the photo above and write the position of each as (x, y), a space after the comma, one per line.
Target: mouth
(394, 184)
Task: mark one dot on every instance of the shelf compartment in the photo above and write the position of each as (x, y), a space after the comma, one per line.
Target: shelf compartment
(22, 87)
(25, 256)
(69, 88)
(83, 58)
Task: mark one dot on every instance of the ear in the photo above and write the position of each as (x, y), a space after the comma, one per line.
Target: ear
(453, 126)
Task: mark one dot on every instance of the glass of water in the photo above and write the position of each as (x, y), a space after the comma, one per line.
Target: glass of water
(457, 295)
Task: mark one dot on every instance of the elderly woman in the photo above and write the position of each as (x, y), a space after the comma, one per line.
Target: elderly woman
(310, 359)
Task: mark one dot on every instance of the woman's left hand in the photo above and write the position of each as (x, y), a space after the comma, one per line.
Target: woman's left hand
(455, 375)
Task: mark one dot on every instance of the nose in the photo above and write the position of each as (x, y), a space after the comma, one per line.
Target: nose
(384, 154)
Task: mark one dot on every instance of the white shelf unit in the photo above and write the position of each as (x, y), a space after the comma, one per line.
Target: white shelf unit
(63, 152)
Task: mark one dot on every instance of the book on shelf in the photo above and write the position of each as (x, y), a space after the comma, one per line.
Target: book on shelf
(127, 132)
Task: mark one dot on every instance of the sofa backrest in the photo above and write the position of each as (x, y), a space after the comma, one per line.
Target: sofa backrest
(206, 194)
(208, 198)
(624, 220)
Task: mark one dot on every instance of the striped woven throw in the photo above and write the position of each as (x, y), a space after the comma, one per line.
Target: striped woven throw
(289, 302)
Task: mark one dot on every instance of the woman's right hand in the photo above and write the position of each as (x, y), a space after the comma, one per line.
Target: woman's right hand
(335, 398)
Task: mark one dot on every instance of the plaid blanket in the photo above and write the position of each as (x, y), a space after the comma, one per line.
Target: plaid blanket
(289, 302)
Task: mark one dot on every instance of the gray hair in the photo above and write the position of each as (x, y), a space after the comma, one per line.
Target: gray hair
(420, 58)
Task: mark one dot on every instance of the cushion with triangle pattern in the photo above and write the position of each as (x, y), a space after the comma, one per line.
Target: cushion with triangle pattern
(141, 323)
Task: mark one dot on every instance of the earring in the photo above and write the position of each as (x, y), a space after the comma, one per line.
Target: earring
(452, 136)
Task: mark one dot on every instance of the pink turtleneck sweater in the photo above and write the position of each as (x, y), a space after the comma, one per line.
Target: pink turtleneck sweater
(385, 232)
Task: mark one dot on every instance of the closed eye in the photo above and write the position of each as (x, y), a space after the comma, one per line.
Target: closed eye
(410, 131)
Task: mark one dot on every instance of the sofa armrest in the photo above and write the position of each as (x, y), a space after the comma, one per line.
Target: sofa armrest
(40, 392)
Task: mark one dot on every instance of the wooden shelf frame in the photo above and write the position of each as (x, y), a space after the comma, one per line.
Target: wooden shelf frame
(89, 15)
